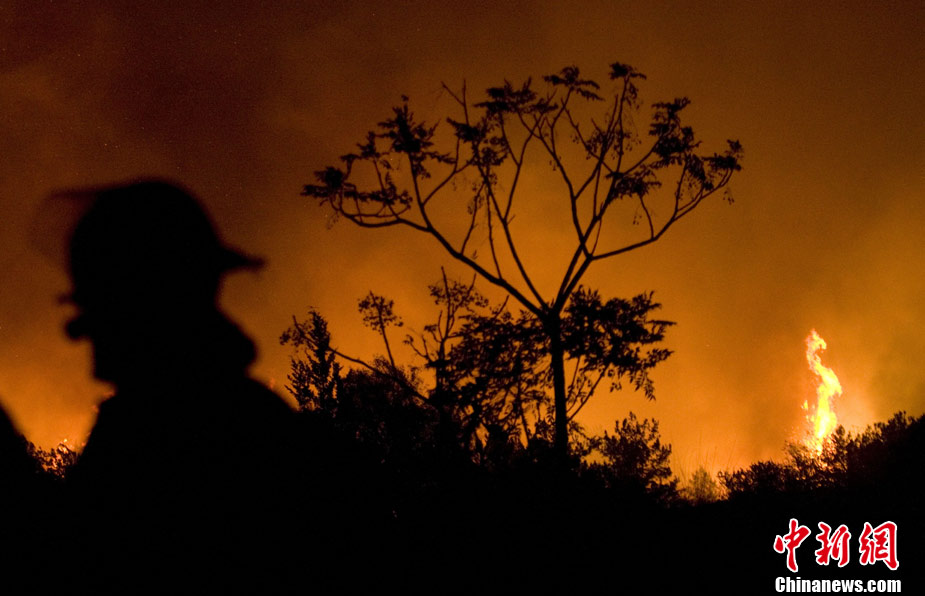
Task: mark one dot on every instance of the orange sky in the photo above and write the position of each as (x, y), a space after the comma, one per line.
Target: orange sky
(243, 104)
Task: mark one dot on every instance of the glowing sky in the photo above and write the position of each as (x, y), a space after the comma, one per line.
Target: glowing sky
(242, 104)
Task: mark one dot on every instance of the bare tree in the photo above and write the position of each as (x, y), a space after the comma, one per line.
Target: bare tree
(404, 174)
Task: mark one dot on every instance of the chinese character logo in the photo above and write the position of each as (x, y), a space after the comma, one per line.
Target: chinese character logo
(876, 544)
(879, 544)
(834, 545)
(790, 541)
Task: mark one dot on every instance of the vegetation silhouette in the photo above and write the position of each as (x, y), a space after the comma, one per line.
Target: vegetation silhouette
(482, 371)
(882, 458)
(432, 476)
(702, 488)
(455, 456)
(25, 492)
(635, 461)
(18, 466)
(405, 174)
(618, 508)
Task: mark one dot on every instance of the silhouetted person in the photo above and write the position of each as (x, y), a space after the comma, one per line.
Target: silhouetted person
(185, 473)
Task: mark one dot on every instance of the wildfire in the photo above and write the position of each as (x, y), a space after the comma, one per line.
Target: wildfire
(822, 416)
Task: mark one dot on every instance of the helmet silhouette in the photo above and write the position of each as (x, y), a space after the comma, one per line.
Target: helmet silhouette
(146, 244)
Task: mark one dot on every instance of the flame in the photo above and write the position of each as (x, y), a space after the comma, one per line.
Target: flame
(823, 418)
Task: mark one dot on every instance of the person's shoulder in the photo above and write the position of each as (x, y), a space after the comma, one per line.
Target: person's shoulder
(261, 396)
(113, 413)
(259, 409)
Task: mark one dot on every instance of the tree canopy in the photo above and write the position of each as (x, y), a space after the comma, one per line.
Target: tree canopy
(406, 174)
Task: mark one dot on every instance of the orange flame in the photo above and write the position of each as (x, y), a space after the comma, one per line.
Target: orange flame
(823, 417)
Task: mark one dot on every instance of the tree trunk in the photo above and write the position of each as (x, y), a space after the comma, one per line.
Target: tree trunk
(557, 356)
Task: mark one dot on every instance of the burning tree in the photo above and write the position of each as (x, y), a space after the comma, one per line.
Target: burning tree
(403, 174)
